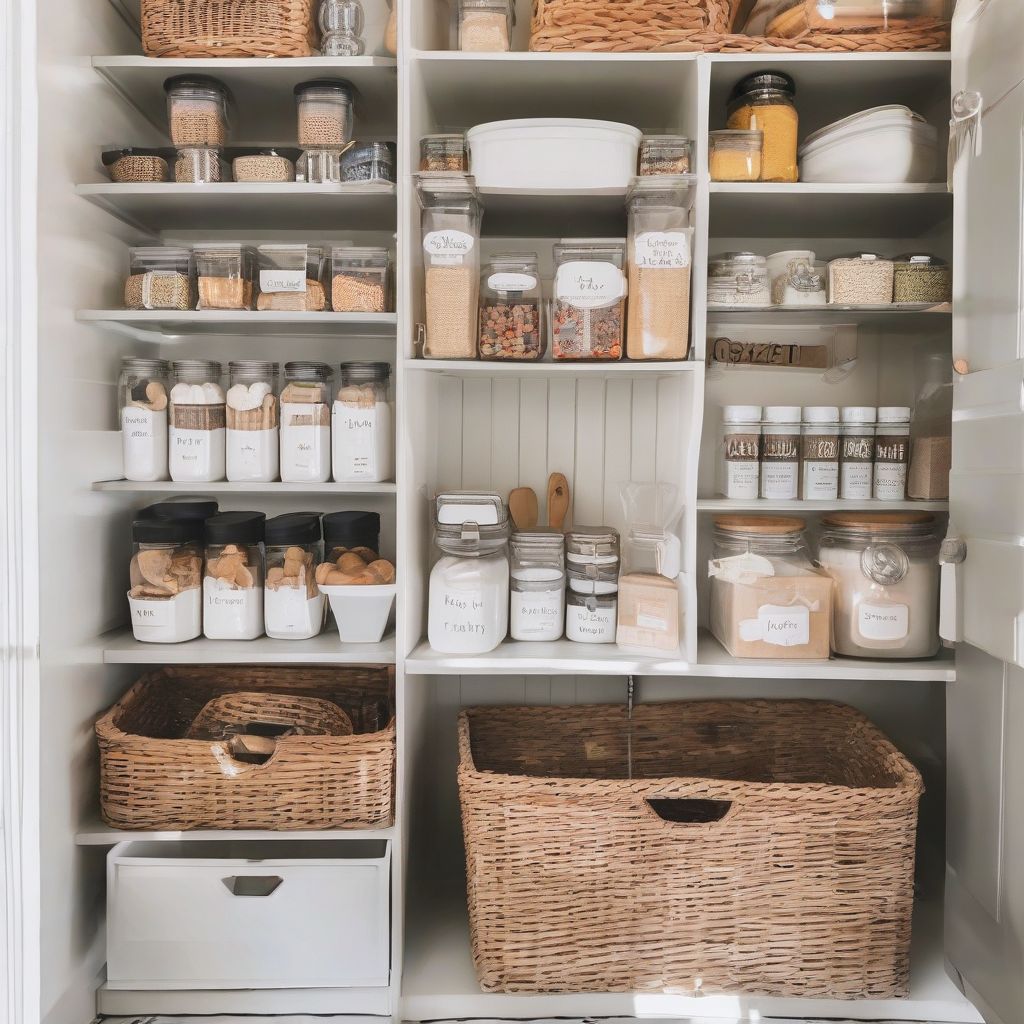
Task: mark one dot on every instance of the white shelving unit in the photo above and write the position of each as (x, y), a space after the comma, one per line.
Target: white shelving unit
(163, 326)
(225, 487)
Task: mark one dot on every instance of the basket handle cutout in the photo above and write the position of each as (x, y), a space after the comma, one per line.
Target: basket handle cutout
(679, 811)
(252, 885)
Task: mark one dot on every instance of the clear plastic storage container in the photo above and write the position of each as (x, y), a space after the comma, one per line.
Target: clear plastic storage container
(291, 278)
(510, 305)
(305, 413)
(444, 152)
(142, 390)
(764, 101)
(226, 274)
(324, 110)
(921, 279)
(135, 165)
(252, 421)
(233, 582)
(341, 28)
(931, 451)
(587, 318)
(293, 607)
(196, 425)
(360, 279)
(200, 165)
(735, 155)
(362, 424)
(862, 280)
(267, 166)
(538, 585)
(665, 154)
(160, 277)
(374, 161)
(484, 26)
(197, 110)
(738, 279)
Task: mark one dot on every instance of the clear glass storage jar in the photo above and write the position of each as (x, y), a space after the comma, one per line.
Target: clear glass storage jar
(857, 452)
(658, 256)
(267, 166)
(735, 155)
(885, 567)
(253, 443)
(200, 165)
(537, 602)
(468, 601)
(764, 101)
(796, 279)
(592, 572)
(362, 424)
(921, 279)
(291, 278)
(780, 453)
(739, 463)
(197, 110)
(226, 273)
(374, 161)
(738, 279)
(450, 225)
(341, 28)
(360, 279)
(862, 280)
(819, 453)
(324, 110)
(931, 449)
(767, 598)
(444, 152)
(352, 531)
(166, 567)
(142, 391)
(293, 607)
(665, 154)
(160, 277)
(196, 425)
(305, 414)
(233, 582)
(319, 166)
(892, 453)
(484, 26)
(588, 305)
(510, 304)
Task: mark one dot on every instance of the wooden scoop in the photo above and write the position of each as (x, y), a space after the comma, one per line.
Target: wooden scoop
(558, 501)
(522, 506)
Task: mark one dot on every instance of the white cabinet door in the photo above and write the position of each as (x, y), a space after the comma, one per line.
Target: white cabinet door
(985, 707)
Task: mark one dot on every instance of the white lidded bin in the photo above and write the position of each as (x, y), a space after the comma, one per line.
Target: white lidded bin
(884, 145)
(361, 613)
(233, 914)
(553, 153)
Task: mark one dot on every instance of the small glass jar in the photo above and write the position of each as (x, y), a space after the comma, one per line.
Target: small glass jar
(862, 280)
(735, 155)
(538, 585)
(233, 582)
(764, 101)
(485, 26)
(446, 152)
(362, 424)
(360, 279)
(166, 567)
(293, 607)
(857, 454)
(780, 453)
(226, 274)
(305, 413)
(665, 154)
(291, 278)
(592, 571)
(200, 165)
(160, 277)
(468, 601)
(510, 303)
(738, 279)
(142, 389)
(196, 425)
(885, 567)
(197, 110)
(130, 164)
(352, 531)
(588, 305)
(892, 453)
(253, 443)
(796, 280)
(740, 452)
(266, 166)
(374, 161)
(324, 109)
(341, 28)
(819, 453)
(921, 279)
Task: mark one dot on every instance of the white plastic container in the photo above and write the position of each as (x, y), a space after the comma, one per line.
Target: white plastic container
(553, 153)
(237, 915)
(361, 612)
(883, 145)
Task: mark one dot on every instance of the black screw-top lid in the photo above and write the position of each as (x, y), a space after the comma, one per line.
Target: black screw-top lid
(183, 508)
(352, 529)
(342, 84)
(763, 81)
(152, 530)
(235, 528)
(195, 82)
(293, 528)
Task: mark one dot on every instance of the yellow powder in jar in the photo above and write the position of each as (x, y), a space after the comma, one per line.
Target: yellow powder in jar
(779, 122)
(735, 165)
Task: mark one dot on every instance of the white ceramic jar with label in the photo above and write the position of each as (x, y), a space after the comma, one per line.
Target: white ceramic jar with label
(857, 452)
(885, 566)
(819, 453)
(537, 599)
(233, 580)
(304, 409)
(196, 431)
(253, 444)
(780, 453)
(142, 412)
(739, 463)
(362, 425)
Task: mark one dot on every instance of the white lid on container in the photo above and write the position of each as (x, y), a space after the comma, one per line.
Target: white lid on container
(554, 128)
(821, 414)
(893, 414)
(859, 414)
(782, 414)
(874, 119)
(741, 414)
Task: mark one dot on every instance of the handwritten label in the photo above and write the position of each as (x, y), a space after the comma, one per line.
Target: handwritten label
(536, 615)
(510, 282)
(593, 627)
(588, 284)
(282, 280)
(448, 247)
(356, 441)
(784, 627)
(152, 613)
(462, 613)
(883, 621)
(662, 250)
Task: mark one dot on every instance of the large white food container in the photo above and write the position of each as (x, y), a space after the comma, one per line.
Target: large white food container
(884, 145)
(234, 914)
(553, 153)
(361, 613)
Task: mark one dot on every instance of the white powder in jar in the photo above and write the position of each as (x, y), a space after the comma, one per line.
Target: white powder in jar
(290, 614)
(305, 443)
(537, 603)
(468, 606)
(363, 441)
(231, 612)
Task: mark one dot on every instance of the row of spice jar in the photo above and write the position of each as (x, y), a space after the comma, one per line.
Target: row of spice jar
(795, 278)
(177, 422)
(292, 277)
(872, 593)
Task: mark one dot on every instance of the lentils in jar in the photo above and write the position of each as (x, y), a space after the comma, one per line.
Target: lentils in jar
(588, 308)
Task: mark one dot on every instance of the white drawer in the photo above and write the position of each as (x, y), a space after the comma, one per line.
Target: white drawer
(233, 914)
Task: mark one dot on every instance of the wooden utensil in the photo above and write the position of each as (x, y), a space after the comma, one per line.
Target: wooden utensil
(522, 506)
(558, 500)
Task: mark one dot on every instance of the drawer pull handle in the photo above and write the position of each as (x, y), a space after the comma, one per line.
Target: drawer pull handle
(689, 811)
(252, 885)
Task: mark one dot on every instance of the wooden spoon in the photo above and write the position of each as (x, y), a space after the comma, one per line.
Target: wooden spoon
(522, 506)
(558, 500)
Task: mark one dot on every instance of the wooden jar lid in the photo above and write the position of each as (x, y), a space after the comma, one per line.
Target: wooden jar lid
(878, 520)
(772, 526)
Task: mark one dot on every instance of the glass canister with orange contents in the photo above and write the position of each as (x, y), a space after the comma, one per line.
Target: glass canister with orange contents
(764, 101)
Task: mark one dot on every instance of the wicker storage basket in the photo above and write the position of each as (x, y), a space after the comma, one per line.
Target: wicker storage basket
(763, 847)
(153, 778)
(229, 28)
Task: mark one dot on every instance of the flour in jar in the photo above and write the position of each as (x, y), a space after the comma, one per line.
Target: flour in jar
(468, 607)
(231, 612)
(362, 444)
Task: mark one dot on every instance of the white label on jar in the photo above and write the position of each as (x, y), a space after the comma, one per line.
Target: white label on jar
(821, 481)
(784, 626)
(645, 620)
(362, 441)
(282, 280)
(448, 247)
(231, 613)
(890, 481)
(588, 626)
(779, 480)
(197, 455)
(462, 613)
(305, 449)
(588, 284)
(883, 621)
(856, 480)
(537, 615)
(152, 613)
(509, 282)
(663, 250)
(741, 479)
(252, 455)
(144, 442)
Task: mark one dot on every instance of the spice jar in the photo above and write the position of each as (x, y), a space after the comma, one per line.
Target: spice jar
(740, 458)
(485, 26)
(764, 101)
(360, 279)
(362, 424)
(166, 565)
(885, 568)
(537, 602)
(796, 280)
(142, 412)
(131, 164)
(341, 28)
(324, 109)
(467, 609)
(735, 155)
(738, 279)
(587, 318)
(226, 273)
(252, 439)
(921, 279)
(767, 598)
(305, 412)
(863, 280)
(291, 278)
(160, 277)
(857, 454)
(445, 152)
(451, 256)
(233, 584)
(373, 162)
(293, 607)
(197, 110)
(196, 434)
(892, 453)
(352, 531)
(510, 325)
(665, 154)
(658, 255)
(199, 165)
(266, 166)
(819, 453)
(780, 453)
(592, 571)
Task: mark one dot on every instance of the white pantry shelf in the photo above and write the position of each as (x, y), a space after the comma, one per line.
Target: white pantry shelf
(96, 833)
(910, 317)
(545, 368)
(808, 508)
(224, 487)
(163, 324)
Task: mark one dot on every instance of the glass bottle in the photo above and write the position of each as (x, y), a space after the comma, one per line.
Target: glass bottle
(592, 571)
(341, 28)
(538, 585)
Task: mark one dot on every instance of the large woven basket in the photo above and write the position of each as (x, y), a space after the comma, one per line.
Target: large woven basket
(153, 778)
(764, 847)
(229, 28)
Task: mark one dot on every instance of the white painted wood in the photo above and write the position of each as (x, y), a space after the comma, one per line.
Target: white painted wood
(375, 1003)
(161, 325)
(227, 487)
(96, 833)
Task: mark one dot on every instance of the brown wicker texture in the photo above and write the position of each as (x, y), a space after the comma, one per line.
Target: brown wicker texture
(576, 883)
(153, 778)
(303, 716)
(229, 28)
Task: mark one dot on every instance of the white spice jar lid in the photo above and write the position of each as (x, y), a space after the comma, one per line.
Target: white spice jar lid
(859, 414)
(894, 414)
(782, 414)
(741, 413)
(821, 414)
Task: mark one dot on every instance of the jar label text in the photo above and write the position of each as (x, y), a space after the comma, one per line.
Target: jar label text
(589, 284)
(661, 250)
(282, 280)
(883, 621)
(448, 247)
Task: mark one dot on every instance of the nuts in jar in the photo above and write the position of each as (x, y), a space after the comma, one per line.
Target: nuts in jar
(510, 308)
(443, 152)
(588, 307)
(665, 154)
